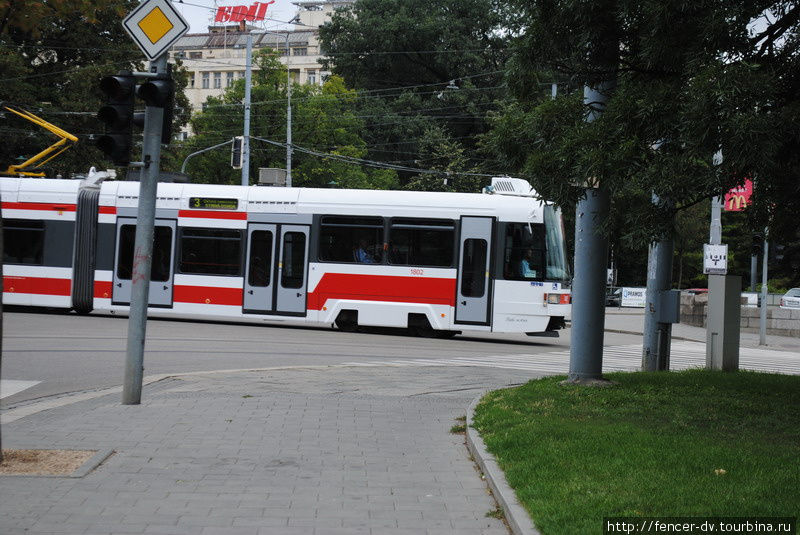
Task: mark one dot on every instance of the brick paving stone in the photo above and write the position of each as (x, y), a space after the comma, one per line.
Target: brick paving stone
(293, 451)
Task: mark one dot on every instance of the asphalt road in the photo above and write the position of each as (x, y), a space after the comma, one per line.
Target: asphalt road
(69, 353)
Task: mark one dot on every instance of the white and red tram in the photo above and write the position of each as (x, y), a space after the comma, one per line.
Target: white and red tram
(436, 262)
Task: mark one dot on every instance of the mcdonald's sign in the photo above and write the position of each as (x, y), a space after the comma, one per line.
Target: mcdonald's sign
(738, 198)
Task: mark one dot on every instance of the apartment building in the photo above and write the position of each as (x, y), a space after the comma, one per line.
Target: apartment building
(217, 58)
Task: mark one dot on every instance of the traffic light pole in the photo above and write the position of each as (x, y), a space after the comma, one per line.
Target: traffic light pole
(143, 247)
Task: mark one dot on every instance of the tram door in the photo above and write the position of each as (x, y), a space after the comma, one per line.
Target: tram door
(161, 270)
(472, 293)
(277, 259)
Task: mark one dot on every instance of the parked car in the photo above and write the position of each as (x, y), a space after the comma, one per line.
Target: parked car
(614, 297)
(791, 299)
(695, 291)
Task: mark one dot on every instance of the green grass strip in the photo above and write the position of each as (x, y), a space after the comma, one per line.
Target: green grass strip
(693, 443)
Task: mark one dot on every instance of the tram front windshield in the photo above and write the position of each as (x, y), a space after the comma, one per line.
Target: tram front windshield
(535, 251)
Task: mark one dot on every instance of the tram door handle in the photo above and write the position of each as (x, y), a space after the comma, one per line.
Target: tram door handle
(299, 294)
(119, 285)
(166, 287)
(464, 302)
(250, 292)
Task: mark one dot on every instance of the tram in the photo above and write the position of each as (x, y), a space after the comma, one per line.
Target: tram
(436, 263)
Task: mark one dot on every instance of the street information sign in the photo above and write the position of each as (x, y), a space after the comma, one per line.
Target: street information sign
(715, 259)
(155, 26)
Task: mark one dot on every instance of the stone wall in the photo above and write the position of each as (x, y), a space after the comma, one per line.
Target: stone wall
(780, 322)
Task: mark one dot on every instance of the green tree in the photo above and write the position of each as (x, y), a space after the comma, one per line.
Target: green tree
(323, 122)
(52, 57)
(691, 78)
(420, 67)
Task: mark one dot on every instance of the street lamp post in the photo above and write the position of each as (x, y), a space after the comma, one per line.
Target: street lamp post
(248, 82)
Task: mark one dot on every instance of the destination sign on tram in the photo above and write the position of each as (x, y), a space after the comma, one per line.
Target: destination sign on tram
(211, 203)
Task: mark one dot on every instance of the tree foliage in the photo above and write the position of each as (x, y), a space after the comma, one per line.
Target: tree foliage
(323, 121)
(691, 78)
(421, 68)
(52, 57)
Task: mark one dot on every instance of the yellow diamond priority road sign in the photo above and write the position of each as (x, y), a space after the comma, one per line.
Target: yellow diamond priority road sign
(155, 26)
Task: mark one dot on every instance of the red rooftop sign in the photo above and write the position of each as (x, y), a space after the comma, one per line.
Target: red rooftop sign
(256, 11)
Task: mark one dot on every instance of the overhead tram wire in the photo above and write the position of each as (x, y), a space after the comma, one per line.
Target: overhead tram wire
(369, 163)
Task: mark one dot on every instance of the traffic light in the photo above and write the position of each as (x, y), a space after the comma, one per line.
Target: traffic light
(758, 245)
(160, 92)
(236, 152)
(117, 114)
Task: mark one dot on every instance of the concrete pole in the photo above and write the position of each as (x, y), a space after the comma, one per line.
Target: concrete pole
(591, 255)
(715, 233)
(248, 79)
(288, 115)
(657, 335)
(762, 320)
(143, 248)
(588, 288)
(753, 271)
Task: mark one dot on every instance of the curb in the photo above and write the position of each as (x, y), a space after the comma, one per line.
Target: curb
(517, 517)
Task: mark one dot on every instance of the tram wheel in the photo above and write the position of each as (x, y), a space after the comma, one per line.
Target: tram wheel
(347, 321)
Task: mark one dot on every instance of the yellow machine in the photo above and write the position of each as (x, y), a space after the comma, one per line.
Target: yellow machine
(66, 141)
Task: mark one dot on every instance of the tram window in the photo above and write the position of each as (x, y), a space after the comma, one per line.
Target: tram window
(524, 254)
(23, 242)
(211, 251)
(260, 258)
(351, 239)
(160, 268)
(421, 242)
(473, 275)
(294, 260)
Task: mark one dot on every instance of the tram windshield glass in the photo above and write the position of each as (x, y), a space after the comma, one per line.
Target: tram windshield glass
(556, 246)
(535, 251)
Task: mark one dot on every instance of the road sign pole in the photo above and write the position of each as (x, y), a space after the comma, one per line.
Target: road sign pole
(143, 247)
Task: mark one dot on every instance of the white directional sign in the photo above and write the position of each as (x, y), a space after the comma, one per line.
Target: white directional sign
(155, 26)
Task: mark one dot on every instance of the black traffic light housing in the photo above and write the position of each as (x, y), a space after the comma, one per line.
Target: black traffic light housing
(160, 92)
(118, 115)
(236, 152)
(757, 248)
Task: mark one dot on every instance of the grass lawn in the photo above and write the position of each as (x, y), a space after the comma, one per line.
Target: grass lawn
(693, 443)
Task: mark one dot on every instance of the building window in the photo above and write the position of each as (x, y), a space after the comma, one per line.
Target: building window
(229, 79)
(312, 76)
(180, 54)
(195, 55)
(300, 51)
(205, 80)
(191, 80)
(217, 80)
(211, 251)
(351, 239)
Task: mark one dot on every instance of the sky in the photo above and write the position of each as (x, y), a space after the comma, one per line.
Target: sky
(200, 13)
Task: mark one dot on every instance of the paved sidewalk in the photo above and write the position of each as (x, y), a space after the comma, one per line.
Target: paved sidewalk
(288, 451)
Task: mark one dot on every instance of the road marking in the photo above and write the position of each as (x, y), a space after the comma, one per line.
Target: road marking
(683, 355)
(9, 387)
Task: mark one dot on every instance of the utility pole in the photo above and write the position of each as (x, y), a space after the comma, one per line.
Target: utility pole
(143, 246)
(762, 319)
(591, 251)
(657, 333)
(248, 78)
